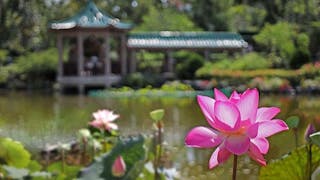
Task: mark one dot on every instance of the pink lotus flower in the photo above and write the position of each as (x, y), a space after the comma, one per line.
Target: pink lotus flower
(238, 126)
(103, 120)
(118, 167)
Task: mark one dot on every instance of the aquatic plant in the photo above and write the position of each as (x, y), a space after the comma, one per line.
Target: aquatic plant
(118, 167)
(103, 119)
(238, 126)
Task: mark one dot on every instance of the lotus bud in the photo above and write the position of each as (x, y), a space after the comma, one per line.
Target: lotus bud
(119, 167)
(84, 135)
(309, 130)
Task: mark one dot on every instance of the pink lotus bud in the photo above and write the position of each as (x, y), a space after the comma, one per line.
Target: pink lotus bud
(118, 167)
(310, 130)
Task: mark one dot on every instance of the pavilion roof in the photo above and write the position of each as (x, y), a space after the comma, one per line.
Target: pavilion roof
(186, 40)
(90, 17)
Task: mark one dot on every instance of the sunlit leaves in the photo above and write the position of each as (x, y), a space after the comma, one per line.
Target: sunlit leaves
(133, 153)
(157, 114)
(291, 166)
(67, 172)
(293, 122)
(315, 138)
(13, 153)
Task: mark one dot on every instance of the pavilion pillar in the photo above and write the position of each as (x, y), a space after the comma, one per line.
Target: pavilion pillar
(207, 54)
(123, 55)
(60, 55)
(133, 61)
(80, 61)
(107, 60)
(170, 61)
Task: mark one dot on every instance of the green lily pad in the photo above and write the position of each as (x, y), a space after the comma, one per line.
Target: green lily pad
(41, 175)
(157, 115)
(293, 122)
(133, 152)
(13, 153)
(315, 138)
(292, 166)
(15, 173)
(69, 172)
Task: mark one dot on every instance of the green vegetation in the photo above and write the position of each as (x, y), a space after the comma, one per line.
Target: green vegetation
(187, 64)
(284, 40)
(166, 19)
(169, 89)
(292, 166)
(285, 35)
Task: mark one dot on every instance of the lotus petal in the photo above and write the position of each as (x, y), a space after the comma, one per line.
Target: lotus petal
(203, 137)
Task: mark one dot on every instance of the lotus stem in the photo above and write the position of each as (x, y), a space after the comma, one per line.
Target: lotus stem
(63, 160)
(234, 171)
(295, 131)
(309, 161)
(160, 144)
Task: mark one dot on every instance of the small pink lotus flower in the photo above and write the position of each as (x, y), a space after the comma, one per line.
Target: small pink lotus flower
(103, 120)
(118, 167)
(238, 126)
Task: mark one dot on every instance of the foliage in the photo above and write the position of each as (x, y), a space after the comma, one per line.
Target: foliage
(139, 80)
(293, 122)
(150, 62)
(33, 66)
(3, 56)
(315, 138)
(285, 41)
(13, 153)
(131, 150)
(68, 172)
(16, 173)
(166, 19)
(248, 74)
(250, 61)
(291, 166)
(187, 65)
(210, 14)
(310, 70)
(270, 84)
(176, 86)
(168, 90)
(157, 114)
(246, 18)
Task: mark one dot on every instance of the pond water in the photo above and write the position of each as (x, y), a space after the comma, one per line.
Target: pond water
(37, 120)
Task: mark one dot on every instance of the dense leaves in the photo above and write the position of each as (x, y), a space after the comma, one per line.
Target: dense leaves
(133, 153)
(13, 153)
(284, 40)
(291, 166)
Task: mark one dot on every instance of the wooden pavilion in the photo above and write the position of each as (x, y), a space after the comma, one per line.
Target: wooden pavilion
(89, 62)
(90, 21)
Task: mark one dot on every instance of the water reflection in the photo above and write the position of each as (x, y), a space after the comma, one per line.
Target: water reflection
(40, 119)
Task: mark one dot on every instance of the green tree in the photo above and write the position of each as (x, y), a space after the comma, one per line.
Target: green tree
(285, 41)
(210, 14)
(246, 18)
(166, 19)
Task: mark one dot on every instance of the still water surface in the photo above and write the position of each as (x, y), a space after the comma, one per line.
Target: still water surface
(37, 120)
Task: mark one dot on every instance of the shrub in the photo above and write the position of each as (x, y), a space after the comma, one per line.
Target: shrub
(35, 66)
(285, 41)
(150, 61)
(270, 84)
(187, 64)
(250, 61)
(139, 80)
(176, 86)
